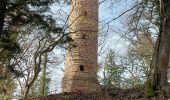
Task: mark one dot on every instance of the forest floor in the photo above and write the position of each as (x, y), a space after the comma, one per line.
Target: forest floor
(111, 94)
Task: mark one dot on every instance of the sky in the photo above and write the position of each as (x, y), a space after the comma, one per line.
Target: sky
(108, 12)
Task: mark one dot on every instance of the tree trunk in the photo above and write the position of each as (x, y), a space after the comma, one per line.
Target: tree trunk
(37, 70)
(162, 49)
(44, 83)
(3, 4)
(30, 84)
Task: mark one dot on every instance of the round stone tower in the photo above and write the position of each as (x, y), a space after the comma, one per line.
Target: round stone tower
(81, 56)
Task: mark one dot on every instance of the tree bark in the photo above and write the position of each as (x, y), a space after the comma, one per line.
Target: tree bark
(3, 9)
(44, 83)
(162, 49)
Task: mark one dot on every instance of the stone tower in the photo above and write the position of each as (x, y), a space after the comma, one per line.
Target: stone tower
(81, 56)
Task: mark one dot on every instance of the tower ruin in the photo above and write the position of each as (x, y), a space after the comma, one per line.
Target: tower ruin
(81, 56)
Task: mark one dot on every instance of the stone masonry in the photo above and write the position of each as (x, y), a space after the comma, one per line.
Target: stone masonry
(81, 56)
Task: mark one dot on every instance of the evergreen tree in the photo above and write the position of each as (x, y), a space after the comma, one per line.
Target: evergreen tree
(112, 72)
(17, 13)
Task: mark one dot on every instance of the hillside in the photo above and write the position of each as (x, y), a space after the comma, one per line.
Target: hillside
(110, 94)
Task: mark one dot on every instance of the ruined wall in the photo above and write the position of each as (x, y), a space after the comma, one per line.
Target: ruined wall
(81, 56)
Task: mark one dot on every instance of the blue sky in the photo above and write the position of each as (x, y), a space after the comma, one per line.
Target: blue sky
(107, 12)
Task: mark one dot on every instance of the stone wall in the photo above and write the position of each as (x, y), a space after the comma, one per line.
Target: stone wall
(81, 56)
